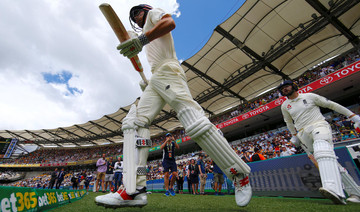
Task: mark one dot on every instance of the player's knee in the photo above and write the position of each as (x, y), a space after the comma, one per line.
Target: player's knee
(323, 149)
(322, 134)
(142, 122)
(194, 121)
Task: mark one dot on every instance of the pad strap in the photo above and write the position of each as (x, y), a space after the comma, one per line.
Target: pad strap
(143, 142)
(141, 170)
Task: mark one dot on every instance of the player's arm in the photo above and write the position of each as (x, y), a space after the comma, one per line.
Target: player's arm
(161, 28)
(133, 46)
(288, 120)
(326, 103)
(290, 125)
(323, 102)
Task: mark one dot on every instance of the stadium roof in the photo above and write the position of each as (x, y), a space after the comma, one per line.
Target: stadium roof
(261, 44)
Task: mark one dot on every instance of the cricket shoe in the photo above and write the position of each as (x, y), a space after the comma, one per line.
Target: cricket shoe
(336, 199)
(353, 198)
(122, 199)
(172, 192)
(243, 190)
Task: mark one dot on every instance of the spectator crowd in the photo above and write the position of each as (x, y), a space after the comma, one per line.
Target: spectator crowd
(264, 145)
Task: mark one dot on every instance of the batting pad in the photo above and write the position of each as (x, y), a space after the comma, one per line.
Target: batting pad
(199, 128)
(129, 151)
(328, 167)
(350, 185)
(143, 144)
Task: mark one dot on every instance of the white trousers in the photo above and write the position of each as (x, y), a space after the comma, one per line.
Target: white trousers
(318, 131)
(167, 85)
(317, 138)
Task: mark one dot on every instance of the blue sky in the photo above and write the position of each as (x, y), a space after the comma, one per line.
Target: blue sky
(194, 28)
(60, 66)
(197, 21)
(62, 78)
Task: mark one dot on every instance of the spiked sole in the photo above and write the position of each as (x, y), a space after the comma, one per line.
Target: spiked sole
(332, 196)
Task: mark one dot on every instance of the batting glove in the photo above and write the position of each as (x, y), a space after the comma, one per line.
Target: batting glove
(295, 141)
(133, 46)
(356, 120)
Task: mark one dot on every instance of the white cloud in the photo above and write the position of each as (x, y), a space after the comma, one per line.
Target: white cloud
(49, 36)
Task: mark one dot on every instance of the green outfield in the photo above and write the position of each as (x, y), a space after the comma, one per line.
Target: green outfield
(185, 202)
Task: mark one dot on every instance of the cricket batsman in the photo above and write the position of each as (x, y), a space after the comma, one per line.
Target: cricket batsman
(168, 85)
(309, 129)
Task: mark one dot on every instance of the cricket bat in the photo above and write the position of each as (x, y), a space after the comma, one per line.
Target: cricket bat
(121, 34)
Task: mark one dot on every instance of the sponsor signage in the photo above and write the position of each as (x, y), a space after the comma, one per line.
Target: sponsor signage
(28, 199)
(292, 176)
(340, 74)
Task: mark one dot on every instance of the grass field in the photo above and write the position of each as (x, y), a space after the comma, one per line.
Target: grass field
(186, 202)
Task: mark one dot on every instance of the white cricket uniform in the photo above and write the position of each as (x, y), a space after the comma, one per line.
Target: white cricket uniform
(168, 83)
(302, 116)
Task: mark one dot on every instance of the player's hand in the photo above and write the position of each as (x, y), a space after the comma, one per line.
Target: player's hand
(356, 120)
(130, 48)
(133, 46)
(295, 141)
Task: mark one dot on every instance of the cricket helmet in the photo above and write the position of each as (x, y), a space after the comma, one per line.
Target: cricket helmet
(134, 11)
(288, 82)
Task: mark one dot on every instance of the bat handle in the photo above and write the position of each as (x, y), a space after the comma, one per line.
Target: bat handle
(138, 67)
(143, 77)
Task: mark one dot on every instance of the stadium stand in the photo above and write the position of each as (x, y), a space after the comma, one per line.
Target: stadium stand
(273, 141)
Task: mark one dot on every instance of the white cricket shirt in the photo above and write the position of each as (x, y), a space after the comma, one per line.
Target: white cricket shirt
(162, 48)
(304, 110)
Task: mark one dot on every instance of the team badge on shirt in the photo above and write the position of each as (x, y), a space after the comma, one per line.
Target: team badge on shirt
(288, 106)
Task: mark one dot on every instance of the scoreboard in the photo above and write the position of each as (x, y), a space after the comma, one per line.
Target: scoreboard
(7, 146)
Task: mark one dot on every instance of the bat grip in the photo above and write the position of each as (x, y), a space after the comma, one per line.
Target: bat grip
(143, 77)
(138, 67)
